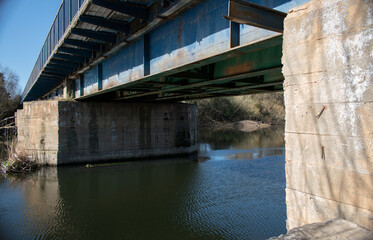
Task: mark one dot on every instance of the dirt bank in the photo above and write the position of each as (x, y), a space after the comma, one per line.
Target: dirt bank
(245, 126)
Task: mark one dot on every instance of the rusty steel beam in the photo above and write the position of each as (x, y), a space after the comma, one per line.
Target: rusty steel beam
(255, 15)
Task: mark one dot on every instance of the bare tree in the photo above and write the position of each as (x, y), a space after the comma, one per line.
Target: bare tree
(10, 97)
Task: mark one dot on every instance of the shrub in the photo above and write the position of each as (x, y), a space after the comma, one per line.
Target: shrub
(18, 161)
(266, 107)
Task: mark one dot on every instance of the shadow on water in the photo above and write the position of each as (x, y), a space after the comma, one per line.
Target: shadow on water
(163, 199)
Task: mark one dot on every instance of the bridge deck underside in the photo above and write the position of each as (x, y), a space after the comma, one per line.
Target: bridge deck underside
(161, 52)
(252, 69)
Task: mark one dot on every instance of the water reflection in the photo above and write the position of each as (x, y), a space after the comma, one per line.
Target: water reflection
(229, 138)
(232, 144)
(28, 204)
(233, 198)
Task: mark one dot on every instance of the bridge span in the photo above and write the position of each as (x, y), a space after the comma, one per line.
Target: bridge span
(161, 50)
(112, 74)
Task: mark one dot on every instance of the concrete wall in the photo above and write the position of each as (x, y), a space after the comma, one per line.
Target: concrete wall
(327, 57)
(61, 132)
(37, 126)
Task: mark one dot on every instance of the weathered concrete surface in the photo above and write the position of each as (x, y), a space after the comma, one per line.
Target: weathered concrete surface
(332, 229)
(61, 132)
(328, 64)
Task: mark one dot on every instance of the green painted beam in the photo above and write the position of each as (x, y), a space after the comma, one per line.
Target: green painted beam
(209, 82)
(214, 92)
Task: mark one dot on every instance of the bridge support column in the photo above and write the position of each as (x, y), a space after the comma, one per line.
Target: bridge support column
(327, 58)
(68, 89)
(64, 132)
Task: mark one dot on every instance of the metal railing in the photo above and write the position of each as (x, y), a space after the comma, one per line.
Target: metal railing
(65, 15)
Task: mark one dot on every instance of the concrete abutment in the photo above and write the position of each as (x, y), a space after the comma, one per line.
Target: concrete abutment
(328, 69)
(66, 132)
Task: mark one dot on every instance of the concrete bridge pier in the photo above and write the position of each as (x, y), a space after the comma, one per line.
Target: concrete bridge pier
(66, 132)
(328, 69)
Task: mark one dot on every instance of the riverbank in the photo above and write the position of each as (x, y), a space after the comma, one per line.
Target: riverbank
(244, 126)
(264, 108)
(12, 159)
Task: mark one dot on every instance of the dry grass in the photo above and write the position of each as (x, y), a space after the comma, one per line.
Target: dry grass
(13, 159)
(267, 108)
(18, 160)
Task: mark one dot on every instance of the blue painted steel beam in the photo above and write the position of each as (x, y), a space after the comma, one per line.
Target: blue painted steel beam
(56, 70)
(47, 85)
(69, 57)
(99, 76)
(75, 51)
(54, 73)
(234, 34)
(64, 68)
(47, 76)
(45, 80)
(117, 25)
(81, 85)
(146, 54)
(83, 44)
(256, 15)
(65, 63)
(99, 35)
(131, 9)
(74, 88)
(49, 79)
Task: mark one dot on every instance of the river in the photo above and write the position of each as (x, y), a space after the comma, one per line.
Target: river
(235, 191)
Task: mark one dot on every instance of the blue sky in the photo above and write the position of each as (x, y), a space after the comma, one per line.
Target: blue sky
(24, 25)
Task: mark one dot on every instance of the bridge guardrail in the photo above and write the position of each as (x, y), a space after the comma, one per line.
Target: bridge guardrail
(65, 15)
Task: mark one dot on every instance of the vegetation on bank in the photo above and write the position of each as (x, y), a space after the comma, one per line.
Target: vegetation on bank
(17, 161)
(265, 108)
(12, 160)
(10, 93)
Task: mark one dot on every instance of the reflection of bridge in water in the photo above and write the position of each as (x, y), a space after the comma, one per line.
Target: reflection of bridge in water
(128, 64)
(147, 200)
(241, 154)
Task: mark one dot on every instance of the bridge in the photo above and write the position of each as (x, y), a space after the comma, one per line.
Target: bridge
(113, 73)
(160, 50)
